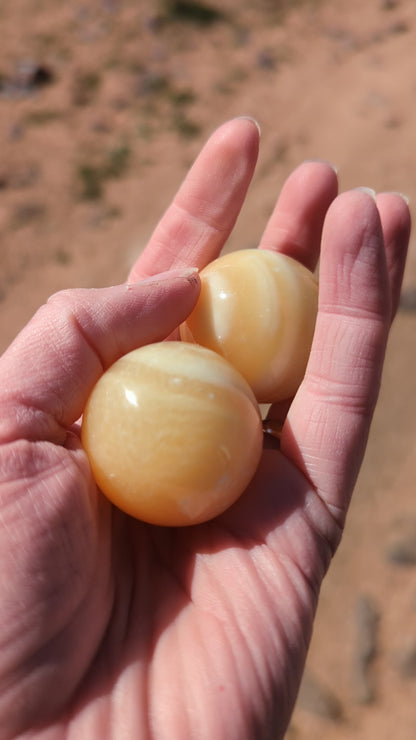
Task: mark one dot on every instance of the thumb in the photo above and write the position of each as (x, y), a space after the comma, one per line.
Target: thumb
(49, 370)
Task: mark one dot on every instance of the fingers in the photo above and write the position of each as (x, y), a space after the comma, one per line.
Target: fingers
(48, 372)
(396, 224)
(198, 222)
(295, 226)
(328, 423)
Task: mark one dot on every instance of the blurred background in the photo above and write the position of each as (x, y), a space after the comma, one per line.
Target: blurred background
(103, 106)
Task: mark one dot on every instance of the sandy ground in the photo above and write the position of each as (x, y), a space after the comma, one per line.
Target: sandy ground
(102, 109)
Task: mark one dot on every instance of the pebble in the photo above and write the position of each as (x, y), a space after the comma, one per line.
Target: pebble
(28, 77)
(367, 618)
(408, 300)
(266, 60)
(405, 660)
(401, 545)
(318, 699)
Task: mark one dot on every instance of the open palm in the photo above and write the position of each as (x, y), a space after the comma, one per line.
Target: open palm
(111, 628)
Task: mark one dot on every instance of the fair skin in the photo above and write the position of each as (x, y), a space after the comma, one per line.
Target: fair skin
(111, 628)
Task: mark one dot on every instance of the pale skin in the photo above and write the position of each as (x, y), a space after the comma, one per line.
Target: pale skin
(110, 628)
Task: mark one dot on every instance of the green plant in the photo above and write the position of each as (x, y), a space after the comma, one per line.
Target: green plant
(91, 181)
(182, 97)
(187, 128)
(41, 117)
(116, 161)
(191, 11)
(62, 257)
(93, 175)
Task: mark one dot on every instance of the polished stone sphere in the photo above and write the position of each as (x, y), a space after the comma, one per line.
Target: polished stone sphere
(173, 433)
(257, 309)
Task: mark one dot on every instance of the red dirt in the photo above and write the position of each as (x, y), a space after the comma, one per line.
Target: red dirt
(108, 88)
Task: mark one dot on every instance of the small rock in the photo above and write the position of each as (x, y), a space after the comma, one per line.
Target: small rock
(151, 83)
(28, 213)
(401, 548)
(153, 23)
(111, 6)
(388, 4)
(399, 28)
(242, 36)
(85, 86)
(37, 75)
(292, 732)
(408, 300)
(101, 126)
(16, 132)
(266, 60)
(367, 618)
(28, 78)
(318, 699)
(406, 661)
(20, 176)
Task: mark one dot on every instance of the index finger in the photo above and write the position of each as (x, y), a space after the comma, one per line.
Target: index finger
(200, 219)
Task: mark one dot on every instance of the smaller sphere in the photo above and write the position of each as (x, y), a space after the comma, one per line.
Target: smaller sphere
(257, 309)
(173, 434)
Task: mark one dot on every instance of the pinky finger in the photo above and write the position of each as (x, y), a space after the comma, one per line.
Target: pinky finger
(326, 429)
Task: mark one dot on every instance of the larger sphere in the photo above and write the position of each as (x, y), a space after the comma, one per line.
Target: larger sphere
(173, 434)
(257, 308)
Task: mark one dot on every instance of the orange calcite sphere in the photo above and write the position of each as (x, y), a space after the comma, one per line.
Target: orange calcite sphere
(257, 308)
(173, 434)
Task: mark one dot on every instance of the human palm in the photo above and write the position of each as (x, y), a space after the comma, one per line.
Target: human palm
(112, 628)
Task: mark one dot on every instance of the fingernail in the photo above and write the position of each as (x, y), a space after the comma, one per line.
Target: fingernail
(188, 273)
(185, 272)
(322, 161)
(191, 275)
(372, 193)
(399, 195)
(253, 120)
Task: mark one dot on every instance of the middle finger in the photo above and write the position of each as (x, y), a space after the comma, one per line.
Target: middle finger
(295, 226)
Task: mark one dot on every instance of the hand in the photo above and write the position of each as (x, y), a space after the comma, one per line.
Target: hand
(111, 628)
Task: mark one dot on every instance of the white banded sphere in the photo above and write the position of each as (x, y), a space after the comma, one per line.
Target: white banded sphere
(257, 309)
(173, 434)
